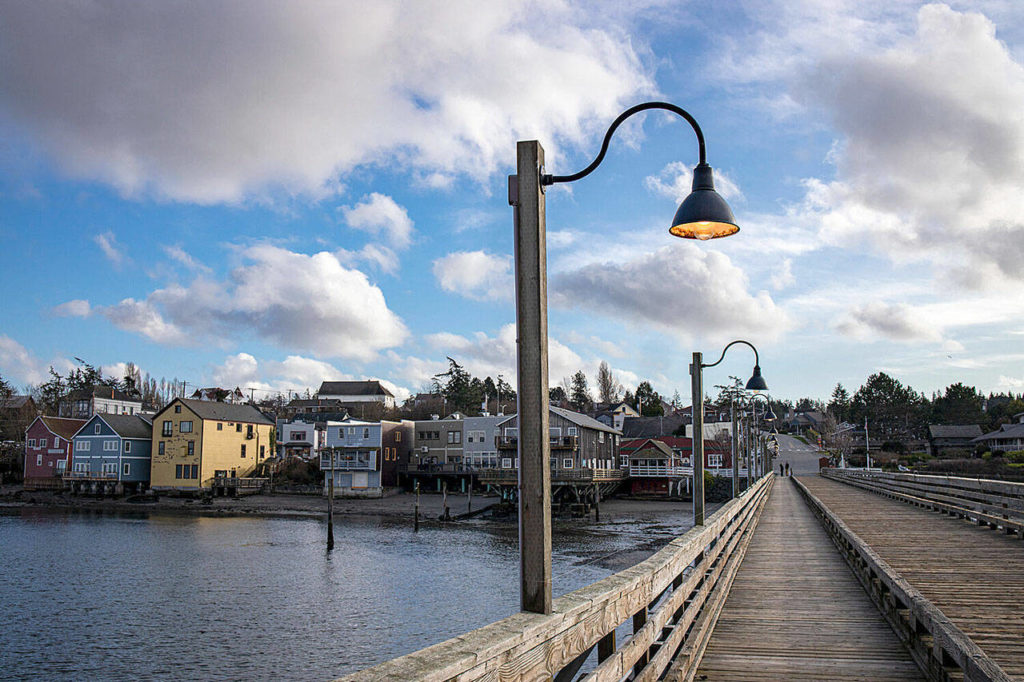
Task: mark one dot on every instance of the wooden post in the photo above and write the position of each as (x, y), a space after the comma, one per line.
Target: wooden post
(445, 516)
(697, 398)
(330, 505)
(597, 502)
(416, 523)
(526, 196)
(469, 504)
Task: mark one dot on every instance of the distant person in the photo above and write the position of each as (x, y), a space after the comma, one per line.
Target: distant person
(787, 468)
(782, 469)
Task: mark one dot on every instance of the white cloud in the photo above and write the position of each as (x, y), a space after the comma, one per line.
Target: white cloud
(676, 179)
(1010, 383)
(111, 249)
(680, 288)
(18, 364)
(477, 275)
(783, 276)
(213, 103)
(894, 321)
(290, 299)
(176, 253)
(76, 308)
(378, 213)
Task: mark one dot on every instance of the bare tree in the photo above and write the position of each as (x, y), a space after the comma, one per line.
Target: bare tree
(608, 388)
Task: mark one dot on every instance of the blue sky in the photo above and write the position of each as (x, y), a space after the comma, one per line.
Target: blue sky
(270, 195)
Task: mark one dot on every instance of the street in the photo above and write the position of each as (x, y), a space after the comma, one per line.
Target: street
(803, 459)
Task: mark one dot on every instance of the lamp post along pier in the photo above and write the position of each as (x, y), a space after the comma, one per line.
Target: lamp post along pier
(702, 215)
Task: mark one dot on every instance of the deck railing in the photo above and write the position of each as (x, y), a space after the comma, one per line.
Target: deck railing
(672, 600)
(997, 504)
(557, 475)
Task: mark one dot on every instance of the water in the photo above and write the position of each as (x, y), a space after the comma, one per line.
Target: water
(93, 596)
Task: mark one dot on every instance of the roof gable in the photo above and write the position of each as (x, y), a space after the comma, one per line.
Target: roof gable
(372, 387)
(61, 426)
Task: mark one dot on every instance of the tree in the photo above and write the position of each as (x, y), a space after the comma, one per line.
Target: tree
(648, 400)
(557, 395)
(608, 388)
(677, 401)
(893, 411)
(959, 405)
(579, 393)
(839, 406)
(455, 386)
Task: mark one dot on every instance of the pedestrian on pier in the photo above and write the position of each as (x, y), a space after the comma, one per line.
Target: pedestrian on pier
(787, 469)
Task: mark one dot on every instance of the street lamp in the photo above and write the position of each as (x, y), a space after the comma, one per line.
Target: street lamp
(769, 418)
(755, 383)
(702, 215)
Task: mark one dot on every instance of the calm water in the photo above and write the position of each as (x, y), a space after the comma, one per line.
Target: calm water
(99, 596)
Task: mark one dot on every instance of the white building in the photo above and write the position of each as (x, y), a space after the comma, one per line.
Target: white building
(352, 392)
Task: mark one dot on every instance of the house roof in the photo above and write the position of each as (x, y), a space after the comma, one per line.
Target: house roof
(583, 420)
(108, 392)
(954, 430)
(1005, 431)
(128, 425)
(207, 409)
(65, 428)
(16, 402)
(651, 427)
(651, 442)
(353, 388)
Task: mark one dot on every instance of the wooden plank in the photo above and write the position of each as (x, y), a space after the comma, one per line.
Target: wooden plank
(973, 575)
(796, 612)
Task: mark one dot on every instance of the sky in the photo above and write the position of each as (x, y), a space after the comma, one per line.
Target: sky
(270, 195)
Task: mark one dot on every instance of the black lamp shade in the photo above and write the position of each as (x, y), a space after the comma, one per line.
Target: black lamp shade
(756, 382)
(703, 214)
(770, 416)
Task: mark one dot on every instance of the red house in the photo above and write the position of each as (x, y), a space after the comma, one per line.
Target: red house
(48, 451)
(663, 466)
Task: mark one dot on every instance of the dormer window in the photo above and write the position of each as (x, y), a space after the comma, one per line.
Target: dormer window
(96, 428)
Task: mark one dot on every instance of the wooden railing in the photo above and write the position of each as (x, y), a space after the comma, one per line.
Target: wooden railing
(672, 600)
(940, 648)
(557, 475)
(997, 504)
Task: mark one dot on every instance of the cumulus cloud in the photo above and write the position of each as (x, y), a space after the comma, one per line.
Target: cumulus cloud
(76, 308)
(111, 249)
(178, 254)
(290, 299)
(783, 277)
(894, 321)
(19, 364)
(214, 103)
(477, 275)
(680, 288)
(378, 214)
(675, 181)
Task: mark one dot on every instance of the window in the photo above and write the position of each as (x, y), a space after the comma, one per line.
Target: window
(571, 431)
(177, 409)
(195, 471)
(160, 447)
(567, 463)
(600, 436)
(624, 460)
(82, 467)
(109, 468)
(506, 462)
(32, 443)
(167, 429)
(127, 446)
(39, 460)
(127, 469)
(177, 471)
(243, 449)
(398, 436)
(298, 435)
(366, 433)
(248, 430)
(185, 427)
(110, 446)
(43, 442)
(96, 428)
(351, 430)
(220, 426)
(263, 451)
(82, 445)
(714, 460)
(511, 432)
(238, 428)
(192, 447)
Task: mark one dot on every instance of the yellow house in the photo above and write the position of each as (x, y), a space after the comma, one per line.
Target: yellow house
(195, 441)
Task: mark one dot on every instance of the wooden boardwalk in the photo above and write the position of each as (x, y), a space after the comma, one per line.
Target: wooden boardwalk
(796, 612)
(974, 575)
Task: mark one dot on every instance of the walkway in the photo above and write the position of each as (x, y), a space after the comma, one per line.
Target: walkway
(974, 575)
(796, 612)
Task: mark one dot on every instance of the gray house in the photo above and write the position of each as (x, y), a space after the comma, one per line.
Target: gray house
(480, 446)
(578, 442)
(438, 443)
(111, 455)
(956, 436)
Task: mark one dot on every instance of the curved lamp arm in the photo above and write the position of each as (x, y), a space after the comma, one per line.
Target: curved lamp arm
(552, 179)
(757, 361)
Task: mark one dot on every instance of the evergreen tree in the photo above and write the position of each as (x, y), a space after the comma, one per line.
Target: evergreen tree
(579, 395)
(649, 400)
(839, 406)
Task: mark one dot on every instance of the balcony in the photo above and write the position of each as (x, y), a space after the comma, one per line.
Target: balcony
(348, 464)
(89, 476)
(557, 442)
(507, 476)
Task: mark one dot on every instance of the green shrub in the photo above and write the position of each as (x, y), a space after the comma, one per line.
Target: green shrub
(1015, 457)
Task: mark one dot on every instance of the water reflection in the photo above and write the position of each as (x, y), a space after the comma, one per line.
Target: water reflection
(96, 595)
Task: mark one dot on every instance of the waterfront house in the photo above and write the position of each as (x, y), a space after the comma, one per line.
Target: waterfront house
(357, 393)
(220, 395)
(952, 436)
(438, 443)
(1008, 437)
(664, 466)
(112, 455)
(367, 455)
(197, 441)
(98, 400)
(48, 450)
(578, 442)
(300, 437)
(16, 414)
(480, 441)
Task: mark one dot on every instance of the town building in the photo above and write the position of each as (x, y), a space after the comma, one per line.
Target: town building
(198, 441)
(480, 441)
(16, 414)
(300, 437)
(98, 400)
(48, 450)
(438, 443)
(577, 442)
(367, 455)
(357, 392)
(942, 437)
(111, 455)
(1008, 437)
(220, 395)
(316, 406)
(664, 466)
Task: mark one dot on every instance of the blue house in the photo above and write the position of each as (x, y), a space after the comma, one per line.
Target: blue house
(111, 455)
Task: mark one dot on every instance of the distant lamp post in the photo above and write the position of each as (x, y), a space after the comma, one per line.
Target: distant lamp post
(768, 416)
(755, 383)
(702, 215)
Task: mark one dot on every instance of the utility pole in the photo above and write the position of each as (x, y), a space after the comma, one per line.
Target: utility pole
(735, 450)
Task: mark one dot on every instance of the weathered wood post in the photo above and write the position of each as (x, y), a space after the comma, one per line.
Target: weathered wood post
(697, 398)
(416, 523)
(597, 502)
(469, 503)
(445, 515)
(330, 505)
(527, 197)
